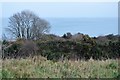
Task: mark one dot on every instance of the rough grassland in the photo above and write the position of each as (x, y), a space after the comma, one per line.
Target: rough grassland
(39, 67)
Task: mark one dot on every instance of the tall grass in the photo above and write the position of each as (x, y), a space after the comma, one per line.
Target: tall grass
(40, 67)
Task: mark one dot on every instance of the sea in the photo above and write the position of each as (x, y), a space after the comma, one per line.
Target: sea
(91, 26)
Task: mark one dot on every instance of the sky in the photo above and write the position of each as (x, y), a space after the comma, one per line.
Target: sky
(64, 9)
(59, 0)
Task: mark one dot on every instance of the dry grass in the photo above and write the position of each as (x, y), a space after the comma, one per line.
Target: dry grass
(39, 67)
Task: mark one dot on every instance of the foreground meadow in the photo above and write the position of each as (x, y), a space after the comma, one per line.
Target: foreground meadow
(40, 67)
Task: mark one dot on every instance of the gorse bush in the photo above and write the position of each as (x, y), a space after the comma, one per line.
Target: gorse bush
(11, 50)
(65, 49)
(20, 49)
(71, 49)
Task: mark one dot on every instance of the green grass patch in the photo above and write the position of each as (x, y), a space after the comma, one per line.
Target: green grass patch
(39, 67)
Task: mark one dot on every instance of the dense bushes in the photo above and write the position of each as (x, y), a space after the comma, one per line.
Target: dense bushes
(10, 50)
(71, 49)
(19, 49)
(64, 49)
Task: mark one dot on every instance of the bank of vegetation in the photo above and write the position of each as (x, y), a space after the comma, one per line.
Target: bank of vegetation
(74, 47)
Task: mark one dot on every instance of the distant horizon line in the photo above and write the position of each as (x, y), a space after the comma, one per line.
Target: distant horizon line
(66, 17)
(72, 35)
(85, 34)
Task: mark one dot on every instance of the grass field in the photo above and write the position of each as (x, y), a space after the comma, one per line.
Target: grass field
(39, 67)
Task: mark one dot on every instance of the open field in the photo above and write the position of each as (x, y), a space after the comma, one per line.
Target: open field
(40, 67)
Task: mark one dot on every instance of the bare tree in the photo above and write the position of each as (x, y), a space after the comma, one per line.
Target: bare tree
(27, 25)
(4, 37)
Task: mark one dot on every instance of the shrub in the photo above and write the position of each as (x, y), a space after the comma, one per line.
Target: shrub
(11, 50)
